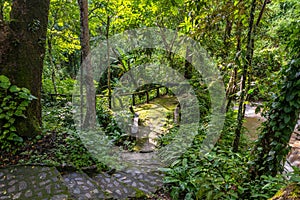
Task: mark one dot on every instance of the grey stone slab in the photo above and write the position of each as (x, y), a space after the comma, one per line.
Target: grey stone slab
(112, 185)
(81, 186)
(31, 182)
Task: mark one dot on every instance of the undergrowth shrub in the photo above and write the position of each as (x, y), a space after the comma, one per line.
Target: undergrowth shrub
(109, 124)
(14, 102)
(219, 174)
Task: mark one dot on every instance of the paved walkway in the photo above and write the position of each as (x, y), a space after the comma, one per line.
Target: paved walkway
(141, 179)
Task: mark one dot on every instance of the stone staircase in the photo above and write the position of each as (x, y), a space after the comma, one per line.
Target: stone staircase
(142, 178)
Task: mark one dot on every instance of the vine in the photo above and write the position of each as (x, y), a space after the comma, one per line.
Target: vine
(13, 104)
(272, 146)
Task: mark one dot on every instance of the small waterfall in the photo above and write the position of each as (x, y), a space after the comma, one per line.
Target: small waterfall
(135, 126)
(177, 114)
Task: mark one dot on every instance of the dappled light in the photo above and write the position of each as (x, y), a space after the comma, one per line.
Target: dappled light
(147, 99)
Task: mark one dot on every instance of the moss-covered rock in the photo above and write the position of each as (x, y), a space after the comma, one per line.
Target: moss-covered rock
(291, 192)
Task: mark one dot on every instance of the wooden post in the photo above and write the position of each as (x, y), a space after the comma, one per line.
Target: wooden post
(147, 96)
(133, 99)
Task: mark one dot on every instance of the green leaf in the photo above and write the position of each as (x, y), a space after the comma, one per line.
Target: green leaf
(15, 137)
(7, 98)
(11, 120)
(165, 169)
(31, 97)
(19, 113)
(287, 109)
(290, 97)
(12, 128)
(6, 125)
(286, 119)
(251, 91)
(170, 180)
(4, 82)
(14, 88)
(24, 103)
(24, 95)
(27, 91)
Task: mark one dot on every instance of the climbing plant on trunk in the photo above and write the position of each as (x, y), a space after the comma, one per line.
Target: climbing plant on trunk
(22, 49)
(272, 146)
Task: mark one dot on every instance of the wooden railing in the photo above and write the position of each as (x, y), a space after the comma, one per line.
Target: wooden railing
(146, 93)
(140, 93)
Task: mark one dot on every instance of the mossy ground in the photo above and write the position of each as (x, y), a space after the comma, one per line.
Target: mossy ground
(157, 114)
(291, 192)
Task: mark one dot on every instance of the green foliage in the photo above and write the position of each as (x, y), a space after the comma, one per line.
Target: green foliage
(166, 139)
(109, 124)
(14, 102)
(220, 27)
(64, 86)
(59, 130)
(220, 174)
(286, 26)
(272, 145)
(265, 187)
(283, 112)
(295, 175)
(57, 115)
(217, 175)
(69, 150)
(5, 6)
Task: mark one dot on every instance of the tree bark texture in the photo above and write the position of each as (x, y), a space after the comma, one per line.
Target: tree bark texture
(244, 77)
(22, 49)
(88, 80)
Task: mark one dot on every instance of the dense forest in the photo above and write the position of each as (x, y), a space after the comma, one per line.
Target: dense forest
(146, 99)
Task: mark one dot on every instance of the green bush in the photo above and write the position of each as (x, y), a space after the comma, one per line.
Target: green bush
(219, 174)
(14, 102)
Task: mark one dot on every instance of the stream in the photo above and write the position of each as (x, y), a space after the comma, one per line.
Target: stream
(253, 121)
(155, 118)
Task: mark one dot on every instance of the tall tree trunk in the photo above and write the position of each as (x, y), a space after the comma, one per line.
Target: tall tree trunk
(52, 64)
(22, 49)
(108, 61)
(90, 117)
(187, 64)
(1, 10)
(232, 85)
(246, 66)
(252, 31)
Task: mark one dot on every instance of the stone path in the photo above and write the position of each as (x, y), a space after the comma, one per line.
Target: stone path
(156, 117)
(141, 179)
(31, 182)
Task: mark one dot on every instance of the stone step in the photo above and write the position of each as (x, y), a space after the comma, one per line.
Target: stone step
(82, 187)
(146, 182)
(114, 187)
(32, 182)
(129, 183)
